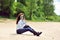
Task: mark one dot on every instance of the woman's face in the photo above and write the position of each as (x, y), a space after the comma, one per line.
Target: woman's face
(21, 16)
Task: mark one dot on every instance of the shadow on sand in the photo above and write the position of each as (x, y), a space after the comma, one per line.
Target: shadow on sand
(22, 34)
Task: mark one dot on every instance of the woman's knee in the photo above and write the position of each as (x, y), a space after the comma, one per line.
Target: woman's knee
(26, 26)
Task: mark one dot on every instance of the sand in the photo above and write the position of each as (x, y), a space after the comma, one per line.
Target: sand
(50, 31)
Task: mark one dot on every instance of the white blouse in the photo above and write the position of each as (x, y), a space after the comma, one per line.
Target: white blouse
(21, 24)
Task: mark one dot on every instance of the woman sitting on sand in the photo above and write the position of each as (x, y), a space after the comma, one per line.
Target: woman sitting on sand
(22, 27)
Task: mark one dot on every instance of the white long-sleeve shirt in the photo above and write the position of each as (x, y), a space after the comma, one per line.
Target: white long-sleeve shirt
(21, 24)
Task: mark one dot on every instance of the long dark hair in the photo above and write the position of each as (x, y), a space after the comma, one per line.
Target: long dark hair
(18, 17)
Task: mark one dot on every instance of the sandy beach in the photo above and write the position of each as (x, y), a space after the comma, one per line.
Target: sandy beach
(50, 31)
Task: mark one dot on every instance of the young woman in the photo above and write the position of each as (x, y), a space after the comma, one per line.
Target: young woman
(22, 27)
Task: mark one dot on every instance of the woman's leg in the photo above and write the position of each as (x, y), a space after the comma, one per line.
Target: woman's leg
(27, 28)
(32, 30)
(20, 31)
